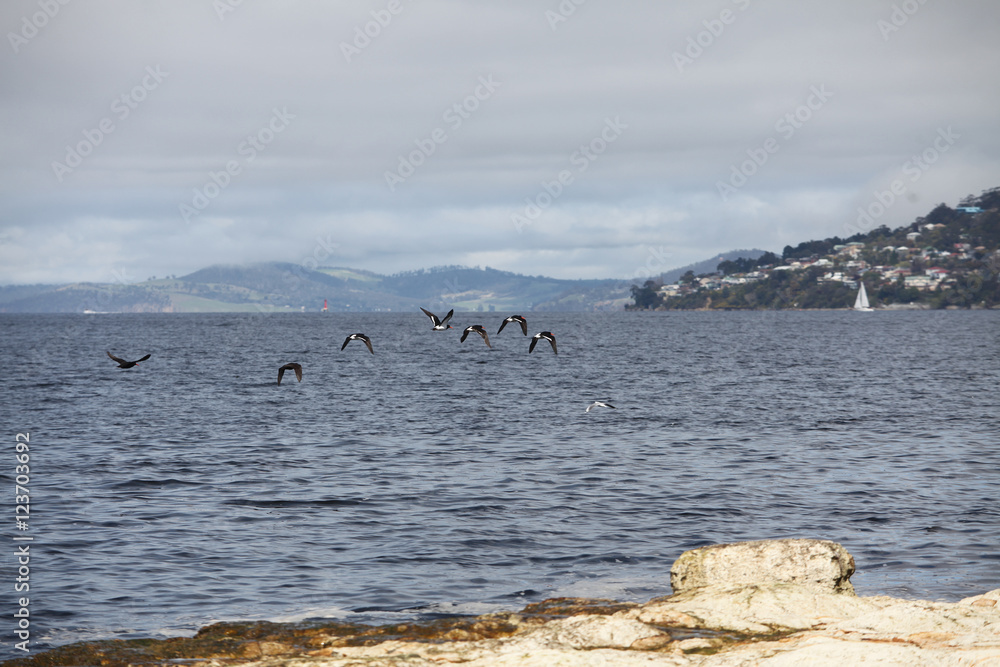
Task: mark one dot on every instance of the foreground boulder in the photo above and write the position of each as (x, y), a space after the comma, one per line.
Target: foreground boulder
(803, 612)
(820, 564)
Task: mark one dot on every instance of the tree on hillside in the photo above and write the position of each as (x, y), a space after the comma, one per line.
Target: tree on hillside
(810, 248)
(768, 259)
(645, 296)
(942, 215)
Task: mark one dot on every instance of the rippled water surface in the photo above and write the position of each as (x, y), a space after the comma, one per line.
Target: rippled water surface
(439, 477)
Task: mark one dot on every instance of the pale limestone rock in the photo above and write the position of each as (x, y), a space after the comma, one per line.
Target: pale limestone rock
(990, 599)
(588, 632)
(930, 624)
(819, 563)
(756, 609)
(772, 623)
(820, 651)
(836, 630)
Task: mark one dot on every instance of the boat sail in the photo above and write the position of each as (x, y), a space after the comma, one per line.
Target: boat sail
(861, 303)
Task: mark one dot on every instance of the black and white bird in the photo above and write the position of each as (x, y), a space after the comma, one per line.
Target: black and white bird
(439, 324)
(290, 367)
(599, 404)
(545, 335)
(127, 364)
(515, 318)
(358, 336)
(478, 328)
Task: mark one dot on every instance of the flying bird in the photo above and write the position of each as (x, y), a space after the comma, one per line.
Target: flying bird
(599, 404)
(545, 335)
(361, 337)
(515, 318)
(439, 325)
(127, 364)
(290, 367)
(478, 328)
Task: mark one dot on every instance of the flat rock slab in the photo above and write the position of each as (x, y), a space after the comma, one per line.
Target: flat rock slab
(820, 564)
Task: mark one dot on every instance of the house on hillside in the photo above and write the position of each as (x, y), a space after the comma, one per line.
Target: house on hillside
(936, 272)
(920, 282)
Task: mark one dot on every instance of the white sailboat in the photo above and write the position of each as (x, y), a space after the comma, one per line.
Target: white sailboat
(861, 303)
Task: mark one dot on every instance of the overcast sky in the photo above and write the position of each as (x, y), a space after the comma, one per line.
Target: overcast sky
(575, 139)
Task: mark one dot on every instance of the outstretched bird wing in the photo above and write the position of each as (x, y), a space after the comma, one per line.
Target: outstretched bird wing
(120, 361)
(434, 318)
(368, 342)
(534, 341)
(482, 332)
(346, 341)
(144, 358)
(444, 320)
(502, 325)
(524, 325)
(554, 348)
(290, 367)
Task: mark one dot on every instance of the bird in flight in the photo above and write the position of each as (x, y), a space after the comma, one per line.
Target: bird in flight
(599, 404)
(442, 324)
(515, 318)
(290, 367)
(545, 335)
(358, 336)
(478, 328)
(127, 364)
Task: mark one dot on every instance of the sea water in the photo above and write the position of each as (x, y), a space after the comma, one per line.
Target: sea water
(438, 477)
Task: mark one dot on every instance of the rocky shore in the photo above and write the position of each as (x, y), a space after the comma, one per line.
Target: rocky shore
(780, 602)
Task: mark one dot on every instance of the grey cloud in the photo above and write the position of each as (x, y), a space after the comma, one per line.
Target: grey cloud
(353, 121)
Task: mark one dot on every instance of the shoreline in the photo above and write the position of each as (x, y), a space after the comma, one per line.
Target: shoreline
(750, 603)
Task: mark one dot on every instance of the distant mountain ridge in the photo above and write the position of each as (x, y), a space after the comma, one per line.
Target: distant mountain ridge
(278, 286)
(283, 286)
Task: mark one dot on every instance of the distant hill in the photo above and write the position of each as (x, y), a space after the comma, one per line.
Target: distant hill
(284, 286)
(949, 258)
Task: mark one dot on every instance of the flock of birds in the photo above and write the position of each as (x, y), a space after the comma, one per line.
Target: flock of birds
(437, 324)
(441, 324)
